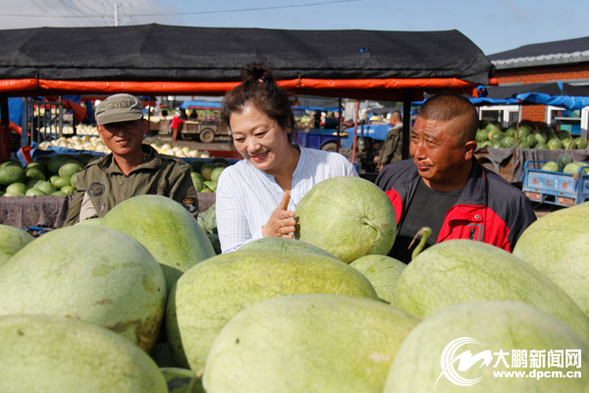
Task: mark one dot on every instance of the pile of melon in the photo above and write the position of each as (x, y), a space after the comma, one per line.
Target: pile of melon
(47, 175)
(327, 311)
(526, 136)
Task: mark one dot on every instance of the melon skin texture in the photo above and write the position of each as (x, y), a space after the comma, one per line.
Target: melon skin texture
(285, 244)
(46, 353)
(383, 272)
(207, 296)
(558, 246)
(307, 343)
(497, 326)
(348, 216)
(12, 240)
(460, 271)
(170, 233)
(88, 272)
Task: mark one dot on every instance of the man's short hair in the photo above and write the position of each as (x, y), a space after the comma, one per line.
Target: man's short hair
(447, 106)
(119, 108)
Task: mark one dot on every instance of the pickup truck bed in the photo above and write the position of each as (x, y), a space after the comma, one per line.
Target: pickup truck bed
(556, 188)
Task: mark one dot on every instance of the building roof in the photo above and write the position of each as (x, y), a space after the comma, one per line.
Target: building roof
(546, 53)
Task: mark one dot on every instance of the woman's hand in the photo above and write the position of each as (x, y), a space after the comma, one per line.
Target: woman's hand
(281, 222)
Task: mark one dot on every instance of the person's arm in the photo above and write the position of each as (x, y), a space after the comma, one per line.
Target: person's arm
(73, 211)
(524, 217)
(387, 150)
(183, 191)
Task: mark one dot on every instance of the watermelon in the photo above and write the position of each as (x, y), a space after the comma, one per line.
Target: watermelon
(482, 135)
(46, 187)
(531, 139)
(496, 136)
(87, 272)
(511, 132)
(460, 271)
(34, 173)
(557, 245)
(44, 353)
(55, 162)
(507, 142)
(383, 272)
(347, 216)
(428, 359)
(207, 296)
(11, 241)
(564, 159)
(34, 192)
(541, 138)
(197, 181)
(554, 144)
(551, 166)
(580, 143)
(166, 229)
(541, 146)
(16, 189)
(307, 343)
(12, 174)
(285, 244)
(568, 144)
(562, 135)
(574, 167)
(69, 168)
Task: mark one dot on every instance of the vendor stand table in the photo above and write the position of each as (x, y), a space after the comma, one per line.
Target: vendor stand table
(50, 211)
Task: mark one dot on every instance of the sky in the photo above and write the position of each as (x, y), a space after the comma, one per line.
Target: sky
(493, 25)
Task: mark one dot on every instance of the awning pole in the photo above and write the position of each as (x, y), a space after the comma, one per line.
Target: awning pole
(405, 140)
(355, 132)
(339, 124)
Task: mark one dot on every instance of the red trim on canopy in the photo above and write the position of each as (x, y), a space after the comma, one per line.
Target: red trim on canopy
(349, 88)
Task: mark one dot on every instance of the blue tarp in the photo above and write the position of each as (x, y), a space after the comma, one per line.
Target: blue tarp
(201, 104)
(568, 102)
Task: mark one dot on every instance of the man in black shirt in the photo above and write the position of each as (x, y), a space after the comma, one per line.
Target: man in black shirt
(445, 188)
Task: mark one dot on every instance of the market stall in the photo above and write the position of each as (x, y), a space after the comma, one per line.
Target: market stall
(173, 60)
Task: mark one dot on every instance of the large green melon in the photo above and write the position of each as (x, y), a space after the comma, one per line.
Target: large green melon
(166, 228)
(348, 216)
(487, 329)
(46, 353)
(383, 272)
(284, 244)
(89, 272)
(558, 245)
(207, 296)
(307, 343)
(12, 239)
(460, 271)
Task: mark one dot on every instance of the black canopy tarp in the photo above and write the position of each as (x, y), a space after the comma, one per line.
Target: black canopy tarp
(160, 53)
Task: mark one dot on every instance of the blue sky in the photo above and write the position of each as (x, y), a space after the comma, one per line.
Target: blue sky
(494, 25)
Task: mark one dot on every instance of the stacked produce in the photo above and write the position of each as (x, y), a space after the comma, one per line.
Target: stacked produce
(527, 136)
(94, 143)
(288, 315)
(566, 164)
(47, 175)
(205, 174)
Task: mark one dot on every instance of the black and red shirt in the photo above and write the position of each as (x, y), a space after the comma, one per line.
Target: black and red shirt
(489, 209)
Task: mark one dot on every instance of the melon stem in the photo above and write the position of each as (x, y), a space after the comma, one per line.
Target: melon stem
(424, 233)
(366, 221)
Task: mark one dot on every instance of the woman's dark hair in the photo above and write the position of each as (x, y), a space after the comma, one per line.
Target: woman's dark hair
(259, 88)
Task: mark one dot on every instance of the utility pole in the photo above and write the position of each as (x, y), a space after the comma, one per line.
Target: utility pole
(116, 14)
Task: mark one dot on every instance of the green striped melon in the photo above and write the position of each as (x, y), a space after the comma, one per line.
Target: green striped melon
(460, 271)
(383, 272)
(284, 244)
(557, 245)
(307, 343)
(12, 240)
(347, 216)
(166, 228)
(208, 295)
(44, 353)
(487, 329)
(88, 272)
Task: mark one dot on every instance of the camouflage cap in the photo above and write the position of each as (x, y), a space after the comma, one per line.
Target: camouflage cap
(118, 108)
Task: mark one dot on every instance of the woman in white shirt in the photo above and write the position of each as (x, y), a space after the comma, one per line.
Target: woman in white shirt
(257, 196)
